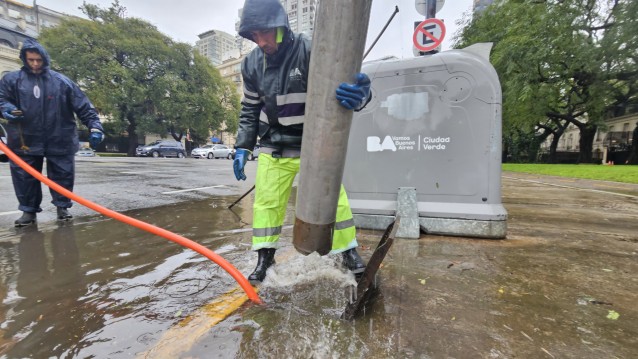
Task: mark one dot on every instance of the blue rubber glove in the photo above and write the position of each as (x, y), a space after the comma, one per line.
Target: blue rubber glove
(6, 113)
(95, 138)
(241, 156)
(354, 96)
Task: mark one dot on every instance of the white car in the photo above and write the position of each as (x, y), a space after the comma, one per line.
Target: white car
(86, 152)
(211, 151)
(251, 157)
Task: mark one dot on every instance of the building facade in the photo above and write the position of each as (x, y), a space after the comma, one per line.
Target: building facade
(480, 5)
(230, 70)
(301, 15)
(18, 22)
(215, 45)
(616, 138)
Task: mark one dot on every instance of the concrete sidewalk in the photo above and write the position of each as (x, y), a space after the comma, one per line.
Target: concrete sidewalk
(562, 285)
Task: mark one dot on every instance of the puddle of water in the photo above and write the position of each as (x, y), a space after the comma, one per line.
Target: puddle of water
(100, 289)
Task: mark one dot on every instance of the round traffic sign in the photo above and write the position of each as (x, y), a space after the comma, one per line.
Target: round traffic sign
(433, 31)
(422, 5)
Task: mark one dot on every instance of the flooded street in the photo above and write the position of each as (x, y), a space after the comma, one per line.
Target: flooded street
(562, 285)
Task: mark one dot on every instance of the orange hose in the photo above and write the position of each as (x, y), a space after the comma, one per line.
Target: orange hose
(243, 282)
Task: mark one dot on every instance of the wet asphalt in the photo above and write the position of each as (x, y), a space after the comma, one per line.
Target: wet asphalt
(562, 285)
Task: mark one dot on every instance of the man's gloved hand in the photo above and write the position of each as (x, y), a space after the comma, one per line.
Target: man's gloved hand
(11, 113)
(354, 96)
(95, 138)
(241, 156)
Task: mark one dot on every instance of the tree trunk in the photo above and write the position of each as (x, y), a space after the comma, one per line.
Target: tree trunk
(558, 132)
(552, 148)
(177, 137)
(132, 138)
(633, 152)
(587, 134)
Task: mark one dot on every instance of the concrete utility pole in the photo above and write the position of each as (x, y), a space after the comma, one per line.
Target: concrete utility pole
(337, 51)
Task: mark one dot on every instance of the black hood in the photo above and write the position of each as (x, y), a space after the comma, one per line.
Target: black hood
(261, 15)
(32, 45)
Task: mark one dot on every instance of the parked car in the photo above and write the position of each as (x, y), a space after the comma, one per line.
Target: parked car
(205, 151)
(251, 157)
(86, 152)
(221, 151)
(211, 151)
(161, 148)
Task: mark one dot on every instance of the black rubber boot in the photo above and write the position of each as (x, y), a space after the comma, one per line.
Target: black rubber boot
(353, 262)
(264, 261)
(63, 214)
(26, 219)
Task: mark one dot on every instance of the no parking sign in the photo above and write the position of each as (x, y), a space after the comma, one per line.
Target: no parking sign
(429, 34)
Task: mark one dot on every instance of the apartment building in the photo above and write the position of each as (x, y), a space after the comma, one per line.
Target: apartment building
(301, 14)
(214, 44)
(480, 5)
(18, 22)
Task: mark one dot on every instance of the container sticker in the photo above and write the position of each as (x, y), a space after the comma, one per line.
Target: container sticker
(407, 143)
(406, 106)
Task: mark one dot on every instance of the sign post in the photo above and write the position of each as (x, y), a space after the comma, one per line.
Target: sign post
(422, 7)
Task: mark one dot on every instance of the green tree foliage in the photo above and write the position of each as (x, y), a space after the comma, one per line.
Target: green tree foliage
(141, 79)
(560, 62)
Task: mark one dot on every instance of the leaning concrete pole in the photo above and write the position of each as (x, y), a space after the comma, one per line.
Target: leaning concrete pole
(337, 51)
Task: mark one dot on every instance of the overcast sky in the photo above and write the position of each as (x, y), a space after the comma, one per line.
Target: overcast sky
(184, 20)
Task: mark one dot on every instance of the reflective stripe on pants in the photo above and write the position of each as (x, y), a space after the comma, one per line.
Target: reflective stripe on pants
(272, 191)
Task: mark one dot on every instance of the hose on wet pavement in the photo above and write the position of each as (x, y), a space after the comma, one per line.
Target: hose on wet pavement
(185, 242)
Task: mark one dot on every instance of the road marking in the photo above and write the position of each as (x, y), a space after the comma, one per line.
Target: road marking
(140, 172)
(162, 171)
(183, 336)
(571, 187)
(194, 189)
(10, 212)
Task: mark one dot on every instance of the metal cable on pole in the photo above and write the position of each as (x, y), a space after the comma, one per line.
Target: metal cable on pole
(396, 10)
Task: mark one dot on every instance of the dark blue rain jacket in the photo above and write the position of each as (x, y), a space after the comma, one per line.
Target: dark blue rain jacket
(48, 101)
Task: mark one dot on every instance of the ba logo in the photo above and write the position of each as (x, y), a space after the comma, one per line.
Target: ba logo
(375, 144)
(294, 74)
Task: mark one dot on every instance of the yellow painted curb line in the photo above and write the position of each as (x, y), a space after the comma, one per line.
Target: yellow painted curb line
(183, 336)
(186, 333)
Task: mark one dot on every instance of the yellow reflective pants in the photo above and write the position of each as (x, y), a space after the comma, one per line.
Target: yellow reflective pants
(272, 190)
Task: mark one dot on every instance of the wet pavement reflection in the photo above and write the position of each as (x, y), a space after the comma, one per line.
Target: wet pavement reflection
(562, 285)
(94, 287)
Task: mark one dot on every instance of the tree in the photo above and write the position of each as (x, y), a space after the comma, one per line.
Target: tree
(633, 152)
(138, 77)
(565, 61)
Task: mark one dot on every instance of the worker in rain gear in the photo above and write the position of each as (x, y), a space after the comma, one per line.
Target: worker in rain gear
(40, 106)
(275, 78)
